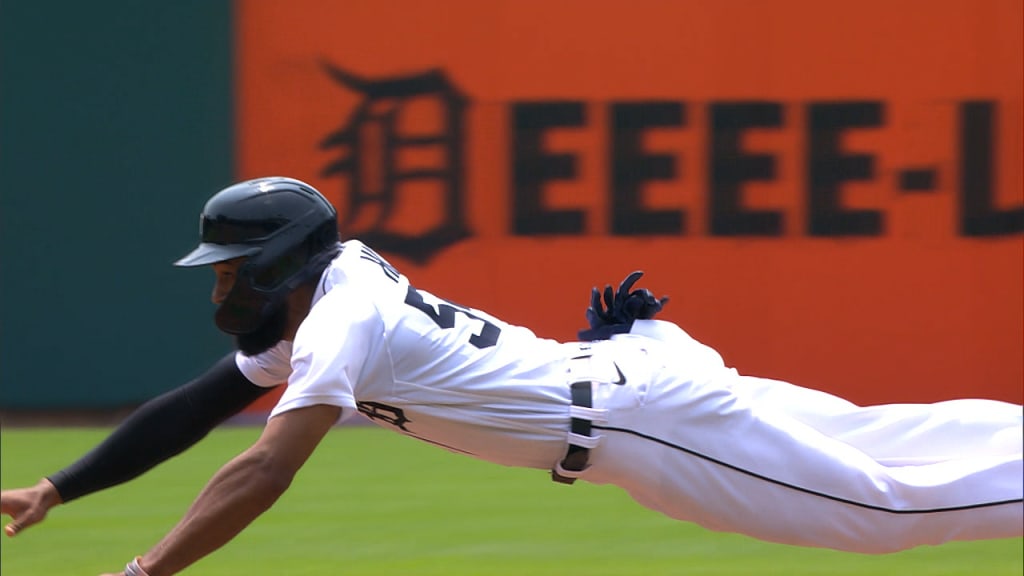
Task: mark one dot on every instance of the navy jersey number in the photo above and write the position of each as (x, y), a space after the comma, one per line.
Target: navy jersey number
(444, 317)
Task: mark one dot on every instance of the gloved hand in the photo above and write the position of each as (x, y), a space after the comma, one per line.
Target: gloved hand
(620, 309)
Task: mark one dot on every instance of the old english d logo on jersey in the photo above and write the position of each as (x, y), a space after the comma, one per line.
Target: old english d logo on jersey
(383, 413)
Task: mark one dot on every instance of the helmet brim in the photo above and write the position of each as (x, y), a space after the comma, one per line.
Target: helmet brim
(209, 253)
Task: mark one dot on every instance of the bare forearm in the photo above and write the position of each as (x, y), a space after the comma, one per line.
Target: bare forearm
(233, 498)
(243, 489)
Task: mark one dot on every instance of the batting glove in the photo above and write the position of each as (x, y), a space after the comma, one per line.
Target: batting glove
(620, 309)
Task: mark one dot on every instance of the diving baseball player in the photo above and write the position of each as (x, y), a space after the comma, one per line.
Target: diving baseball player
(636, 403)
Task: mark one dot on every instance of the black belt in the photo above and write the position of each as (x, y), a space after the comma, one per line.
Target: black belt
(577, 456)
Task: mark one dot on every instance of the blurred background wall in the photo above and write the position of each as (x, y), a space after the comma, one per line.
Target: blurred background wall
(116, 123)
(831, 193)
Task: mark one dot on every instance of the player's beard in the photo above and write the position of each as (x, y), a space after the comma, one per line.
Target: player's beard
(267, 335)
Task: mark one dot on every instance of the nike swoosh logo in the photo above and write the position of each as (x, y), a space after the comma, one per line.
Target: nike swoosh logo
(622, 377)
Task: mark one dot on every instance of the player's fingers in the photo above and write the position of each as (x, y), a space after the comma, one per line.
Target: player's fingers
(22, 521)
(627, 284)
(7, 503)
(12, 505)
(16, 525)
(609, 297)
(595, 299)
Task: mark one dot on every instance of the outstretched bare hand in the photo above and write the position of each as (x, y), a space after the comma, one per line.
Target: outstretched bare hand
(27, 506)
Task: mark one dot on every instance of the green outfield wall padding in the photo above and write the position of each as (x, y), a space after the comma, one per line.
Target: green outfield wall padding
(115, 125)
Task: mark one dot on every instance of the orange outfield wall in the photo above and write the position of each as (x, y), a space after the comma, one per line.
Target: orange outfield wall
(830, 192)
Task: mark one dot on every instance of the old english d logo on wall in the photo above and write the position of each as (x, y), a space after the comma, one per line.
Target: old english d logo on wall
(372, 148)
(829, 195)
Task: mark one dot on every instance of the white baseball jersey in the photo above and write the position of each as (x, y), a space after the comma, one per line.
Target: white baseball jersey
(670, 423)
(444, 373)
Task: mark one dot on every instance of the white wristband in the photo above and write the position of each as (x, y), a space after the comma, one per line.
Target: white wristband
(134, 568)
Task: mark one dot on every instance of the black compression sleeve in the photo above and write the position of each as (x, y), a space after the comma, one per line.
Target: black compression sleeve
(159, 429)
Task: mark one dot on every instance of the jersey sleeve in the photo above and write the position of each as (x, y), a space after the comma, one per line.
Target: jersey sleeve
(267, 369)
(330, 351)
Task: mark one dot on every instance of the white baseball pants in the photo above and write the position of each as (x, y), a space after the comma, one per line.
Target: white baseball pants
(696, 441)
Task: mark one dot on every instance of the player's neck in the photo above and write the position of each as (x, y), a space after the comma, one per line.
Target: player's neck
(299, 303)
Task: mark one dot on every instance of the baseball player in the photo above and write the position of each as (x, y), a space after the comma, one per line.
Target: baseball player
(636, 402)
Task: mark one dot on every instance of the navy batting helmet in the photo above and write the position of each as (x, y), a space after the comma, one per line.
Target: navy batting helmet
(284, 227)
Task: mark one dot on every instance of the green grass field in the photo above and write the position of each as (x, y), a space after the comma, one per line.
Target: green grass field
(371, 502)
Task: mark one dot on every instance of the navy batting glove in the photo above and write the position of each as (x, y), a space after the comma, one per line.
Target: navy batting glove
(619, 309)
